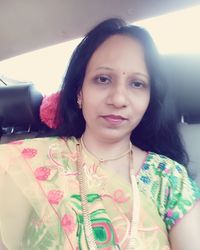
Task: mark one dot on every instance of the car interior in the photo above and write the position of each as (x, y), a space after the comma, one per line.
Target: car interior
(29, 25)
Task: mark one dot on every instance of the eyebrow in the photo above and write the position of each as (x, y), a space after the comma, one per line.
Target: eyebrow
(104, 67)
(135, 73)
(142, 74)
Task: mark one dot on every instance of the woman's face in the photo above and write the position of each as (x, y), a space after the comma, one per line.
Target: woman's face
(116, 90)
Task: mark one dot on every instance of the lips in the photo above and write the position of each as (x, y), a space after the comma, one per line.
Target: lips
(114, 119)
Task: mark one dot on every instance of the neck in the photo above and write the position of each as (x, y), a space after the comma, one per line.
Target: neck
(103, 149)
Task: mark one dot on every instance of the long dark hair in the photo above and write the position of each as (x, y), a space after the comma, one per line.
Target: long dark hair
(158, 129)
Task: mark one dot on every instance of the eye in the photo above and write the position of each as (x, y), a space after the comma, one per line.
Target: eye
(103, 79)
(137, 84)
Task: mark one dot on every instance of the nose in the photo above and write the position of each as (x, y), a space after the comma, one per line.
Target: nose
(118, 96)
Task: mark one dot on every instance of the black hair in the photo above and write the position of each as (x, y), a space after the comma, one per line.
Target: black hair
(158, 130)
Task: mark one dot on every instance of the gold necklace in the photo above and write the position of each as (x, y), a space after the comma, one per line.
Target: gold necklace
(86, 215)
(101, 160)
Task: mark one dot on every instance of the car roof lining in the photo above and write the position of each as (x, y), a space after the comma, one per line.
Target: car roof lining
(30, 25)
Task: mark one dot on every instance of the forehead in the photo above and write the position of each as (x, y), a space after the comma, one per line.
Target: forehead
(116, 51)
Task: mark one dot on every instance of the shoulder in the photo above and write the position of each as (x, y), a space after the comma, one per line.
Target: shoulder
(25, 148)
(159, 168)
(32, 149)
(36, 142)
(169, 186)
(162, 166)
(168, 173)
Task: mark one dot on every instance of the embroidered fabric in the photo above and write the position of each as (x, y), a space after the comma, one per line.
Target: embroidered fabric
(44, 205)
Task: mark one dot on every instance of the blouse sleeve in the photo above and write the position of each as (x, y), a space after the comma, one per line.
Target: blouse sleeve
(181, 194)
(173, 192)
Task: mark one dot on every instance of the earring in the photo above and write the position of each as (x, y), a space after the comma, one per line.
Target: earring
(79, 103)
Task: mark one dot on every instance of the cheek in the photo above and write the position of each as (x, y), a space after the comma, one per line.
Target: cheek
(91, 98)
(89, 104)
(141, 103)
(147, 98)
(146, 103)
(142, 110)
(145, 106)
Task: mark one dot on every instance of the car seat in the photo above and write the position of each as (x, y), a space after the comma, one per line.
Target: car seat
(19, 112)
(184, 77)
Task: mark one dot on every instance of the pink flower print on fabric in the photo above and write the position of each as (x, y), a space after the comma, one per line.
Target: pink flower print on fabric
(55, 196)
(169, 213)
(68, 223)
(167, 170)
(119, 196)
(42, 173)
(29, 153)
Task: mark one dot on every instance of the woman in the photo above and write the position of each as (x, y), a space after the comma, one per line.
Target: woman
(106, 184)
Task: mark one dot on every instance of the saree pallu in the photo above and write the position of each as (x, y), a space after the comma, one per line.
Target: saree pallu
(43, 201)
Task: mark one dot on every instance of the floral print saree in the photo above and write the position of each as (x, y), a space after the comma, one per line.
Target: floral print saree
(43, 171)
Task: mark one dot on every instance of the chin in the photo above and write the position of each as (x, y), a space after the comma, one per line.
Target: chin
(113, 136)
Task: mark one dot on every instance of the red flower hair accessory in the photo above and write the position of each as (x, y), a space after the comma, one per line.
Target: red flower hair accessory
(48, 110)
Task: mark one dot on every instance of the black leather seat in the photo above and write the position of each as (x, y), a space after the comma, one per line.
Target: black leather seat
(19, 111)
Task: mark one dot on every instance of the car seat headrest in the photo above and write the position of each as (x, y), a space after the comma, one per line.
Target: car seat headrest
(19, 105)
(184, 78)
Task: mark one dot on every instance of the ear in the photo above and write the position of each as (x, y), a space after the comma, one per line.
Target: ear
(79, 99)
